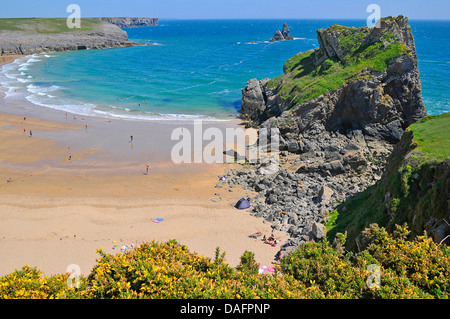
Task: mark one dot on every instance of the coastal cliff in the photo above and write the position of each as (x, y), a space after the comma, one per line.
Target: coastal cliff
(414, 188)
(29, 36)
(337, 111)
(128, 22)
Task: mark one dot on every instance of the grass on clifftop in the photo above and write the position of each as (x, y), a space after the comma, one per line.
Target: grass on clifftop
(432, 136)
(303, 80)
(44, 25)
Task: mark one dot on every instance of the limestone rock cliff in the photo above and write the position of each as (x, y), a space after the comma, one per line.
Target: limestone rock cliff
(358, 79)
(46, 35)
(129, 22)
(339, 109)
(414, 188)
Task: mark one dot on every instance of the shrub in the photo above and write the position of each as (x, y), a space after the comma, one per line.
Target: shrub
(28, 283)
(248, 263)
(408, 269)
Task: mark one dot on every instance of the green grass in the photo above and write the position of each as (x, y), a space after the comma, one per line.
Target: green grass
(432, 136)
(303, 80)
(44, 25)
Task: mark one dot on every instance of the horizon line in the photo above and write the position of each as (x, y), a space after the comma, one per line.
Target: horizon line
(277, 18)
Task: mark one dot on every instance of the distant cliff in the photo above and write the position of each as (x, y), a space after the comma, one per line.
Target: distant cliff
(36, 35)
(127, 22)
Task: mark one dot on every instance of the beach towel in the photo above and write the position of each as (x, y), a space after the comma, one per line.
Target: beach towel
(266, 270)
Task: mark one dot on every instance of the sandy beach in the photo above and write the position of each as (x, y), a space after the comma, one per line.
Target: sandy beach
(76, 185)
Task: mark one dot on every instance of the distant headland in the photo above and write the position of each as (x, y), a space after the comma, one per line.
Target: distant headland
(23, 36)
(127, 22)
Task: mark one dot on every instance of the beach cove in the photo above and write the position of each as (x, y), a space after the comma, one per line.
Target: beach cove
(79, 183)
(74, 182)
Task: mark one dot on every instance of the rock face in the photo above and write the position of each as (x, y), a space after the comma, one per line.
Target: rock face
(254, 99)
(381, 103)
(414, 187)
(282, 35)
(340, 140)
(285, 32)
(103, 35)
(127, 22)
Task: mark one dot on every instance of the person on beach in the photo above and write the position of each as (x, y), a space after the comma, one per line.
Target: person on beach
(131, 138)
(270, 240)
(31, 133)
(147, 169)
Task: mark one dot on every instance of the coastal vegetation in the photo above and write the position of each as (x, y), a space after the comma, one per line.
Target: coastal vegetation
(392, 226)
(414, 188)
(415, 268)
(44, 25)
(313, 73)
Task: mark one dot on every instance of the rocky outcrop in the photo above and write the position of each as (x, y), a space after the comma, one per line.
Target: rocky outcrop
(381, 104)
(338, 142)
(102, 35)
(128, 22)
(254, 104)
(282, 35)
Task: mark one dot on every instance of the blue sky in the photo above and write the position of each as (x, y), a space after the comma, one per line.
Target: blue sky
(229, 9)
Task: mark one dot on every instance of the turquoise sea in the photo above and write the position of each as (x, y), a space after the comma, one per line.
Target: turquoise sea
(197, 69)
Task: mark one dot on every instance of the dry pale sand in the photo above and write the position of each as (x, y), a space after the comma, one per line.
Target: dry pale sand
(55, 211)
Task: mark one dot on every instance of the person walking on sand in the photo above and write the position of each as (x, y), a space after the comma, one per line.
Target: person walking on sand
(147, 169)
(131, 138)
(31, 133)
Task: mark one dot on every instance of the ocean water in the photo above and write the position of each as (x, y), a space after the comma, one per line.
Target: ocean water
(196, 69)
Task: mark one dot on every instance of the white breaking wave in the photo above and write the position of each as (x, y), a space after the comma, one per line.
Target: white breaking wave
(16, 82)
(36, 89)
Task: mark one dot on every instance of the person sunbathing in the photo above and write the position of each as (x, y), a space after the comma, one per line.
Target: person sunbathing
(270, 240)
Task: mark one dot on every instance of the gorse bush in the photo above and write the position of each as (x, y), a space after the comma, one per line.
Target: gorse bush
(407, 269)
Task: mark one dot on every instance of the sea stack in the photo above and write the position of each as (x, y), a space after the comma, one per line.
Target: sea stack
(282, 35)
